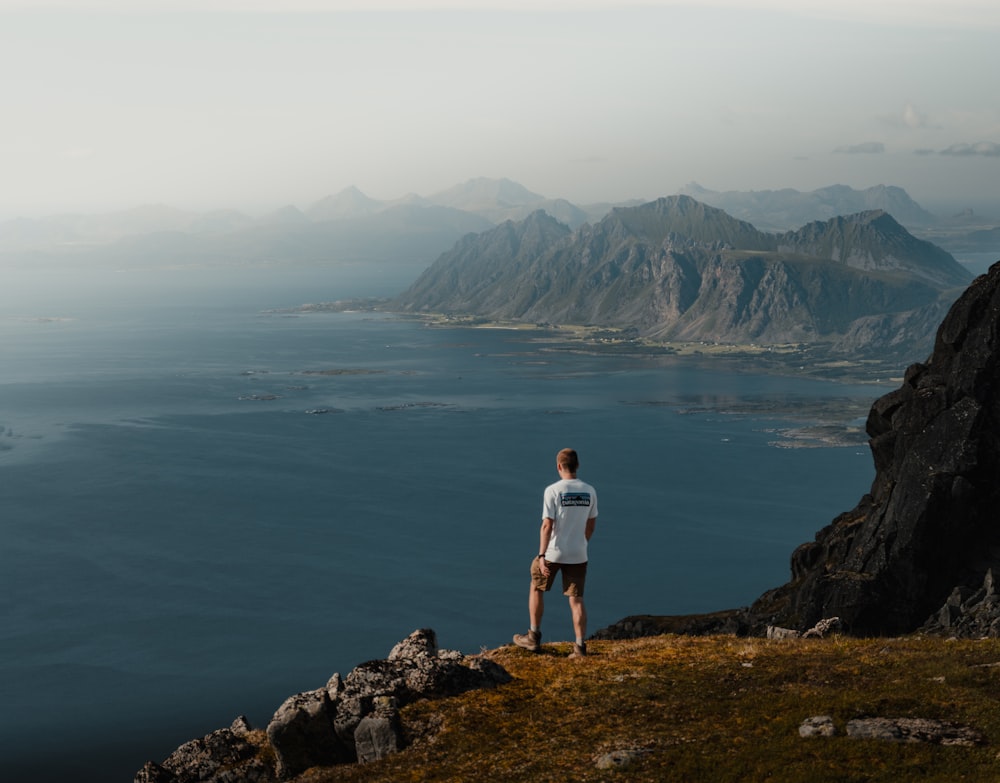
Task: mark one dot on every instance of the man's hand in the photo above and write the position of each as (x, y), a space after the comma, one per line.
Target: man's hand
(543, 566)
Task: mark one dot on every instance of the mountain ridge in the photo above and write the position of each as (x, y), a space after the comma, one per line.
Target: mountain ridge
(787, 208)
(675, 269)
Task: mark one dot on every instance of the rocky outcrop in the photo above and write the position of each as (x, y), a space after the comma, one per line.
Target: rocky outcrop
(968, 613)
(234, 755)
(926, 534)
(730, 621)
(350, 719)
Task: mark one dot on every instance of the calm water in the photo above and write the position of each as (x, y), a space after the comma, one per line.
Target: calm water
(207, 507)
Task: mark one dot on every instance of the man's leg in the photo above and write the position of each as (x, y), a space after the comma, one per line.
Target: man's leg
(579, 612)
(532, 640)
(536, 606)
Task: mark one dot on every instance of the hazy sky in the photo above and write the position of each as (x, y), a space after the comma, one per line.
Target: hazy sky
(254, 104)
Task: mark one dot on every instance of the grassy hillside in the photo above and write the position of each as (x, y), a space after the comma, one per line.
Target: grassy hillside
(706, 709)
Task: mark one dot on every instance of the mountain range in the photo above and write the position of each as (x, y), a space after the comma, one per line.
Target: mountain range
(351, 227)
(677, 269)
(780, 210)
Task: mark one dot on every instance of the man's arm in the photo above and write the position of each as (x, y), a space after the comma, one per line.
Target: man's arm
(544, 535)
(591, 524)
(543, 543)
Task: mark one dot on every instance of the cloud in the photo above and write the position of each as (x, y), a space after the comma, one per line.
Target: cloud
(909, 118)
(868, 148)
(913, 118)
(986, 149)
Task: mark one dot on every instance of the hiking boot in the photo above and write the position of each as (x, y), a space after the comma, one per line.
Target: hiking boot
(532, 640)
(579, 650)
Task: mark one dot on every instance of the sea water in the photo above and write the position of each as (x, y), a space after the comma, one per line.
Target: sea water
(209, 503)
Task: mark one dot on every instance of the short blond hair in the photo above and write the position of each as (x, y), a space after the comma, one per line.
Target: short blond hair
(568, 459)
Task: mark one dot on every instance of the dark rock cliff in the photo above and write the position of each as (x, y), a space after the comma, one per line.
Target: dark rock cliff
(928, 529)
(921, 550)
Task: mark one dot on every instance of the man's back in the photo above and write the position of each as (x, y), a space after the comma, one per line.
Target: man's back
(569, 502)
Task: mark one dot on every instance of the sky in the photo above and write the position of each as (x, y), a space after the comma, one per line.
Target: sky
(255, 104)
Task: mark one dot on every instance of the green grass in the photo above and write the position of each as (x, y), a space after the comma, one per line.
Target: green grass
(706, 709)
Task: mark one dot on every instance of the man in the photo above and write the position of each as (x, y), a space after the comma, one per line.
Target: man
(569, 515)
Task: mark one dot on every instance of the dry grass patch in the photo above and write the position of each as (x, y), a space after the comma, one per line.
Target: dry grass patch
(705, 709)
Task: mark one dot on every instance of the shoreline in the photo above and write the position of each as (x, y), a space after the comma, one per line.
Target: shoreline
(800, 360)
(833, 422)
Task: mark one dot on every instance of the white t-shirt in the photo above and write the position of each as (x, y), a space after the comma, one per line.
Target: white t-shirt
(570, 503)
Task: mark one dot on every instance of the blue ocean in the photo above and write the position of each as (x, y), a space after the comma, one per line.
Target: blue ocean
(210, 502)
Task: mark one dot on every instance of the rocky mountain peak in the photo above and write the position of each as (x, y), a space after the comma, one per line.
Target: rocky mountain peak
(872, 240)
(683, 215)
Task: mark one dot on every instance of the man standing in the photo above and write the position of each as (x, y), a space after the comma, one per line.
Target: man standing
(569, 514)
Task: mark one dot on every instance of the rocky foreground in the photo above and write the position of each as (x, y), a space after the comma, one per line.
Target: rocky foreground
(670, 707)
(351, 719)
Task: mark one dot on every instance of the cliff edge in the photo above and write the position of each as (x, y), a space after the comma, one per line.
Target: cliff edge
(926, 538)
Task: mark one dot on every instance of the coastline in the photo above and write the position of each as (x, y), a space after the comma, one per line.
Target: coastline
(829, 422)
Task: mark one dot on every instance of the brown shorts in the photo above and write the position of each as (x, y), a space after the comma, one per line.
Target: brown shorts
(573, 577)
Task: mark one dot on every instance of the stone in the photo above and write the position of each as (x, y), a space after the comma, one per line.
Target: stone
(774, 632)
(379, 733)
(231, 755)
(422, 643)
(914, 730)
(968, 613)
(302, 734)
(152, 772)
(617, 759)
(822, 628)
(817, 726)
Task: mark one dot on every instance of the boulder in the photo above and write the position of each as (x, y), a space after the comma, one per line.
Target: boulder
(422, 643)
(619, 759)
(913, 730)
(233, 755)
(968, 613)
(817, 726)
(415, 669)
(936, 732)
(302, 734)
(380, 732)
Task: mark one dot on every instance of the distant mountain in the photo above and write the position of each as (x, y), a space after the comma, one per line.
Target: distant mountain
(875, 242)
(67, 230)
(417, 229)
(404, 235)
(678, 269)
(483, 192)
(785, 209)
(349, 203)
(218, 222)
(502, 199)
(286, 216)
